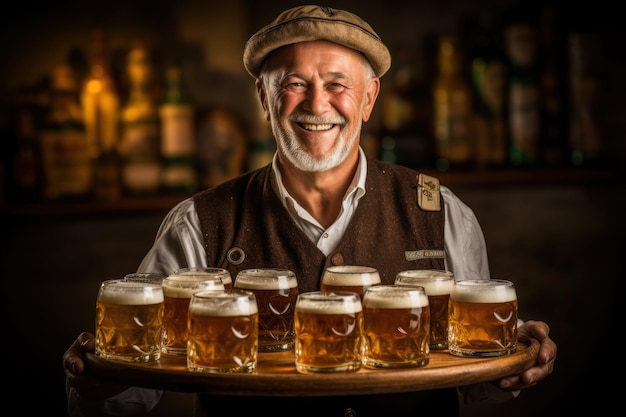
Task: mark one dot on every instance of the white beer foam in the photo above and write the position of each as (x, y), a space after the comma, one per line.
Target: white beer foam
(438, 287)
(131, 293)
(469, 292)
(180, 286)
(255, 282)
(224, 305)
(341, 306)
(395, 299)
(225, 277)
(350, 275)
(434, 281)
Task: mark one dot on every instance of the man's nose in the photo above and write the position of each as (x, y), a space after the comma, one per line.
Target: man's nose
(316, 101)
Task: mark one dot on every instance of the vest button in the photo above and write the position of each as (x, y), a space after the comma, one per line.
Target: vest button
(236, 256)
(350, 412)
(337, 259)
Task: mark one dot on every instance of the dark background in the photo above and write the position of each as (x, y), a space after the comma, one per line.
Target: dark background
(559, 241)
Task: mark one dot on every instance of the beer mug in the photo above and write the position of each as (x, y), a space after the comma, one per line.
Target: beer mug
(276, 291)
(129, 320)
(329, 332)
(438, 285)
(222, 332)
(177, 292)
(396, 327)
(349, 278)
(223, 274)
(155, 277)
(483, 318)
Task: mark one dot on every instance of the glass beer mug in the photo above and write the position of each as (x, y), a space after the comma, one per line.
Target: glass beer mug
(223, 332)
(396, 327)
(129, 320)
(483, 318)
(329, 332)
(438, 285)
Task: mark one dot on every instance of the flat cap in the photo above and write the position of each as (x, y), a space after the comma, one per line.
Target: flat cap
(311, 23)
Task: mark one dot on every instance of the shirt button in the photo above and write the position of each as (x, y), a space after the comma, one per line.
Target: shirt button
(325, 235)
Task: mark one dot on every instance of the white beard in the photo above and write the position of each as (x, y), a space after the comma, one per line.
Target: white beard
(304, 161)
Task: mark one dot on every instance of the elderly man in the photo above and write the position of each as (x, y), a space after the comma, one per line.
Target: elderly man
(320, 202)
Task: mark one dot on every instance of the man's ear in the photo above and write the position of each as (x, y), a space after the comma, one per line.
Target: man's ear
(260, 91)
(371, 93)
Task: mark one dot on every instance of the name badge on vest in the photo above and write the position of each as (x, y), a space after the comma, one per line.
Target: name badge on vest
(428, 195)
(416, 255)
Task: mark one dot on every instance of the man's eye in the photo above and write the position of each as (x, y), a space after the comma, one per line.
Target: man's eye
(335, 87)
(295, 86)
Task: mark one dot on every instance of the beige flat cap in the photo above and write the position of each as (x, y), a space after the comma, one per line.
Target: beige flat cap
(311, 23)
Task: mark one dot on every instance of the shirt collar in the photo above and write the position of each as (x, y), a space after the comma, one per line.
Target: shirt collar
(358, 182)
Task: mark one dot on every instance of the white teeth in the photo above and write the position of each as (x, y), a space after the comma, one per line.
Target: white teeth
(317, 127)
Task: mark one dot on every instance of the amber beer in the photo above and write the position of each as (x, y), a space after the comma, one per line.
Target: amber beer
(223, 332)
(129, 320)
(210, 271)
(276, 291)
(483, 318)
(396, 327)
(329, 332)
(438, 285)
(177, 292)
(349, 278)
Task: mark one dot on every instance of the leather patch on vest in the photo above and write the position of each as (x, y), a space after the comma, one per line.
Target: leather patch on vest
(414, 255)
(428, 195)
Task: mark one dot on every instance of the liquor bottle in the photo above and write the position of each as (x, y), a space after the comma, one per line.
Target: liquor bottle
(521, 40)
(454, 136)
(178, 140)
(261, 146)
(101, 107)
(489, 78)
(26, 171)
(405, 137)
(139, 147)
(586, 66)
(222, 145)
(553, 148)
(67, 163)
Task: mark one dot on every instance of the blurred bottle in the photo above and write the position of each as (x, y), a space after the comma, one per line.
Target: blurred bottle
(26, 171)
(521, 40)
(261, 147)
(489, 78)
(405, 137)
(101, 107)
(139, 147)
(178, 140)
(553, 148)
(222, 146)
(586, 66)
(453, 110)
(67, 162)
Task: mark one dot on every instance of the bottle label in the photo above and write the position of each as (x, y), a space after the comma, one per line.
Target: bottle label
(142, 177)
(525, 118)
(67, 165)
(177, 131)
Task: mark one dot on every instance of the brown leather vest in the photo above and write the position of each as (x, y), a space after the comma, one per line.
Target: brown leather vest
(246, 226)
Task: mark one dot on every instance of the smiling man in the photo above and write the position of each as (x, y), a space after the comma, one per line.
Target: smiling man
(320, 203)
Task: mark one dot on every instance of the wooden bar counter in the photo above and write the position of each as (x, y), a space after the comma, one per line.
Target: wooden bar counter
(276, 375)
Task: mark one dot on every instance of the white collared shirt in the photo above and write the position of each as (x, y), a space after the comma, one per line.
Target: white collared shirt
(325, 239)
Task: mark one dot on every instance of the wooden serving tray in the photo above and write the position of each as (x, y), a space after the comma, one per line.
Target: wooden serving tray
(276, 375)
